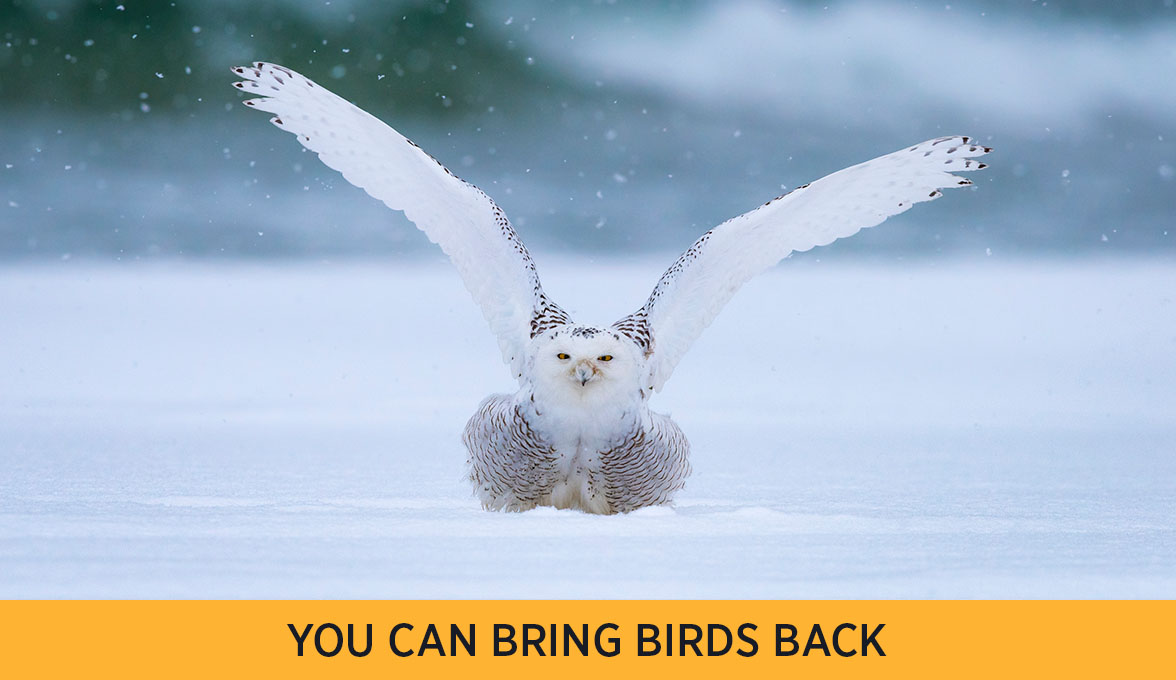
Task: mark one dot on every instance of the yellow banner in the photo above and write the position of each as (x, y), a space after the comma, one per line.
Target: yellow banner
(497, 639)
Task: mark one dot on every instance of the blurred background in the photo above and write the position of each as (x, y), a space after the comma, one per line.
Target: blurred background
(601, 127)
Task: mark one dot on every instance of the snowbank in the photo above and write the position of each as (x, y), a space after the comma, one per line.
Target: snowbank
(933, 430)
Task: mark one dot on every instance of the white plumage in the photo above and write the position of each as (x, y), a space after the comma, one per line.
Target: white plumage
(579, 433)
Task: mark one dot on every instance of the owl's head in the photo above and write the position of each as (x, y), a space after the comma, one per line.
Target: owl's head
(585, 361)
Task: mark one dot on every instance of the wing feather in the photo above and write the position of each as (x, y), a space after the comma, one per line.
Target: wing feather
(697, 286)
(466, 223)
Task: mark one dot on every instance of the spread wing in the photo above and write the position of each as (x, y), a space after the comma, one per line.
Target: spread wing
(694, 289)
(456, 215)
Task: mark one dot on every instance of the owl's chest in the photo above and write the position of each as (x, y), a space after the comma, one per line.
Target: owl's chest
(577, 480)
(576, 432)
(579, 441)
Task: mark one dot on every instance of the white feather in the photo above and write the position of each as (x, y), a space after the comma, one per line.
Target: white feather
(697, 286)
(456, 215)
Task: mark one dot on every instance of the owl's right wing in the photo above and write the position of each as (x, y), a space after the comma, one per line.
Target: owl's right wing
(694, 289)
(468, 225)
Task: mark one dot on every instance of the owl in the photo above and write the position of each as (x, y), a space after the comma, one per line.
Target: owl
(578, 432)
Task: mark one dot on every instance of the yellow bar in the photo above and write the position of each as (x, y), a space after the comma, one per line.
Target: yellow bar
(219, 639)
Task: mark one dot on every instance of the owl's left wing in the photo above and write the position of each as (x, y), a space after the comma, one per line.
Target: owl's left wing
(694, 289)
(470, 227)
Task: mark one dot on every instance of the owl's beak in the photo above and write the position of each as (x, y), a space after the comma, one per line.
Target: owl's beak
(585, 371)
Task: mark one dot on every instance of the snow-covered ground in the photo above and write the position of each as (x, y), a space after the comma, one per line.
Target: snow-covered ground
(930, 429)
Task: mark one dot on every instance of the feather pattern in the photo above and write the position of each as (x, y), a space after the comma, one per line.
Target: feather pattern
(468, 225)
(514, 465)
(697, 286)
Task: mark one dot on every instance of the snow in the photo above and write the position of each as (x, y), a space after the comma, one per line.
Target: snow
(943, 429)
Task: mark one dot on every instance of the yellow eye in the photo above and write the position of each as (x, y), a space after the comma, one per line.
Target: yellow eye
(563, 356)
(606, 357)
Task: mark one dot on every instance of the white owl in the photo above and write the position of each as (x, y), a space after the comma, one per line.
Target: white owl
(579, 433)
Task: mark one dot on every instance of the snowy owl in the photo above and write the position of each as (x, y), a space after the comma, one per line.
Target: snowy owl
(579, 433)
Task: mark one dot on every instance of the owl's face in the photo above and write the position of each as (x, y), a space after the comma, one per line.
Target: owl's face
(585, 361)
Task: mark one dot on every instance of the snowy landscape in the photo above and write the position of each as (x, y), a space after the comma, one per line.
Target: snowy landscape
(936, 428)
(227, 373)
